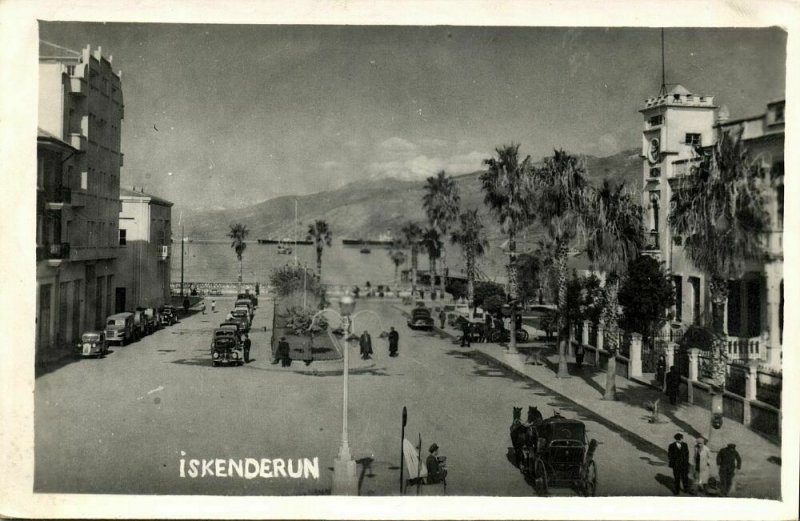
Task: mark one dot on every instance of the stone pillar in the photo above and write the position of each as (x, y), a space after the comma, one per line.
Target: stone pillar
(636, 355)
(694, 354)
(670, 354)
(773, 320)
(750, 390)
(601, 333)
(585, 333)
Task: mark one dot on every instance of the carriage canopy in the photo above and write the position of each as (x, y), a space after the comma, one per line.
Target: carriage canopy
(562, 429)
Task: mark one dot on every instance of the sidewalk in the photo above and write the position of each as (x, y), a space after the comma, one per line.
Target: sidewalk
(760, 474)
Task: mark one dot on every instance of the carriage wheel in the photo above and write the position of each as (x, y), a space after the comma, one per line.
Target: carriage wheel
(529, 468)
(522, 335)
(540, 476)
(590, 480)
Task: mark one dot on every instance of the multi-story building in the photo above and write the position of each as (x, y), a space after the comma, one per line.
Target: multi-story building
(79, 160)
(674, 124)
(143, 264)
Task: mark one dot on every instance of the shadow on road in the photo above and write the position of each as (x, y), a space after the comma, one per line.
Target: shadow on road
(193, 361)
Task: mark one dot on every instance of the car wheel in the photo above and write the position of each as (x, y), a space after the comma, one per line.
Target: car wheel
(215, 364)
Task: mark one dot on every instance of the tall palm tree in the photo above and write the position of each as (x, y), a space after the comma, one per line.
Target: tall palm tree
(471, 236)
(398, 257)
(614, 238)
(321, 235)
(238, 232)
(432, 242)
(507, 190)
(441, 202)
(412, 235)
(720, 212)
(560, 202)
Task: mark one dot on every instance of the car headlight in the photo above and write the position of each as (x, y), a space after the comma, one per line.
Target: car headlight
(215, 355)
(235, 355)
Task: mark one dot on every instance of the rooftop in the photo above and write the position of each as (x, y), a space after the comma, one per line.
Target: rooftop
(132, 193)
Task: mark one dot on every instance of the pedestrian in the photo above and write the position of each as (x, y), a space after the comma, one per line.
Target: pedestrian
(442, 318)
(702, 465)
(186, 304)
(436, 465)
(258, 289)
(365, 343)
(579, 352)
(678, 455)
(487, 328)
(673, 385)
(203, 307)
(284, 353)
(213, 306)
(394, 339)
(728, 462)
(465, 329)
(308, 351)
(247, 345)
(661, 372)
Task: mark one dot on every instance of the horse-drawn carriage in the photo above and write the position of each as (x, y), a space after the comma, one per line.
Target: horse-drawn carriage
(554, 451)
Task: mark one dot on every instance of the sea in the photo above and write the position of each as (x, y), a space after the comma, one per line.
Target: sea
(215, 261)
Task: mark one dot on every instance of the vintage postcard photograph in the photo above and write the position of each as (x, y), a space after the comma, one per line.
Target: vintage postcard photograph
(409, 261)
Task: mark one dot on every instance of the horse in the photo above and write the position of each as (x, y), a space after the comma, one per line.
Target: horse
(534, 416)
(519, 434)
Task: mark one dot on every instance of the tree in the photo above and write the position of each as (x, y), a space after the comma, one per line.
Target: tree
(530, 273)
(238, 232)
(485, 289)
(561, 198)
(398, 257)
(614, 238)
(321, 235)
(412, 236)
(506, 186)
(441, 202)
(720, 213)
(645, 296)
(470, 235)
(432, 242)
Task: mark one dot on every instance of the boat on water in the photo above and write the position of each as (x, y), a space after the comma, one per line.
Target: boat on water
(365, 250)
(367, 242)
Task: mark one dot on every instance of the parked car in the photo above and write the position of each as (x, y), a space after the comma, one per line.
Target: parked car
(120, 328)
(242, 315)
(168, 314)
(150, 320)
(139, 324)
(93, 343)
(420, 319)
(226, 351)
(245, 302)
(252, 298)
(234, 325)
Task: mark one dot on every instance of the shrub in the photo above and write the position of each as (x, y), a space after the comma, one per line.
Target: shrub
(494, 304)
(645, 295)
(486, 289)
(288, 279)
(299, 322)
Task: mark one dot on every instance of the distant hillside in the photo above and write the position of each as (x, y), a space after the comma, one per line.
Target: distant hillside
(371, 207)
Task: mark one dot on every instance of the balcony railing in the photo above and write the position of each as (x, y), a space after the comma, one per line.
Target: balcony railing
(55, 200)
(59, 250)
(745, 349)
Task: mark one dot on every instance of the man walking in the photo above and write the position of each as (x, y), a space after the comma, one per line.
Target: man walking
(728, 462)
(365, 342)
(678, 455)
(487, 330)
(203, 307)
(213, 306)
(284, 353)
(702, 465)
(247, 345)
(465, 342)
(394, 340)
(442, 318)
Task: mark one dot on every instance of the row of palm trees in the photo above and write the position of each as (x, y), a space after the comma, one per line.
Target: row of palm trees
(719, 210)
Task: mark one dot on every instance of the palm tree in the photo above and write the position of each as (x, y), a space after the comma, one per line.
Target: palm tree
(398, 257)
(720, 212)
(560, 202)
(321, 235)
(507, 191)
(614, 238)
(238, 232)
(441, 202)
(470, 235)
(412, 235)
(432, 242)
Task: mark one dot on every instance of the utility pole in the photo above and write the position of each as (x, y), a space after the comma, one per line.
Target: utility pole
(183, 241)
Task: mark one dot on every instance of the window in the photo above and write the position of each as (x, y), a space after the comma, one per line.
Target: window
(694, 283)
(655, 120)
(677, 281)
(123, 237)
(693, 140)
(779, 201)
(655, 172)
(779, 113)
(84, 180)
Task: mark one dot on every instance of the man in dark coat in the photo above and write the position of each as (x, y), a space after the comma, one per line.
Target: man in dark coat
(437, 471)
(394, 339)
(728, 462)
(246, 348)
(465, 329)
(442, 318)
(365, 343)
(487, 330)
(673, 385)
(284, 353)
(678, 454)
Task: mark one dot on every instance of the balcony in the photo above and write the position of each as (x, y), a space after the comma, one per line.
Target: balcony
(78, 141)
(77, 86)
(53, 251)
(57, 200)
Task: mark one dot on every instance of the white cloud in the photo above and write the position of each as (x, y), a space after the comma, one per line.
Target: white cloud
(466, 163)
(397, 144)
(422, 166)
(329, 165)
(606, 145)
(434, 142)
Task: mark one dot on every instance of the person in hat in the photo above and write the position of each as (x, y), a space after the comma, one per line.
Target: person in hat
(437, 470)
(365, 344)
(246, 347)
(702, 465)
(678, 455)
(728, 461)
(394, 340)
(284, 353)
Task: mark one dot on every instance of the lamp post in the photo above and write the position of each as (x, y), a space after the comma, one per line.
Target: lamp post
(345, 481)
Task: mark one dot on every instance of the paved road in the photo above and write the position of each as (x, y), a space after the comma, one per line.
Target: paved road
(122, 424)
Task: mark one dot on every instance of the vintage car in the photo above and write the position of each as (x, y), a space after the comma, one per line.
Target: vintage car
(168, 315)
(93, 343)
(120, 328)
(244, 303)
(253, 299)
(150, 319)
(420, 319)
(243, 316)
(226, 350)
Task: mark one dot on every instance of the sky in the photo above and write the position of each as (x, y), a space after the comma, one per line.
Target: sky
(249, 112)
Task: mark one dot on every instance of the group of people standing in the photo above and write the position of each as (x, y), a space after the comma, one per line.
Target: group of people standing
(728, 462)
(365, 344)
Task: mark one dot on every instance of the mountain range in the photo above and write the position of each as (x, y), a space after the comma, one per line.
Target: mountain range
(369, 208)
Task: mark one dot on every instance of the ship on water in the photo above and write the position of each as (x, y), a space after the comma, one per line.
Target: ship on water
(384, 239)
